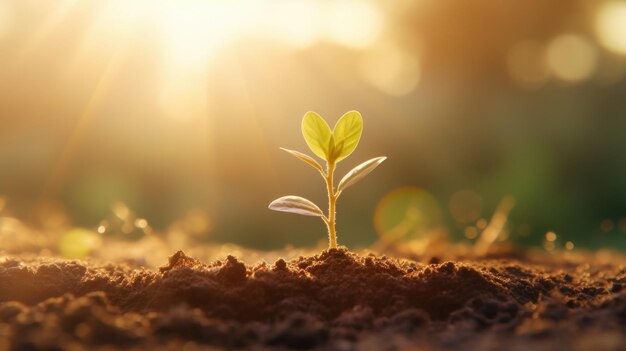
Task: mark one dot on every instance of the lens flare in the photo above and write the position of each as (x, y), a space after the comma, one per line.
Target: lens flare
(407, 213)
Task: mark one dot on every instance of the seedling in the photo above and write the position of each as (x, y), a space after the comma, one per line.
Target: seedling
(331, 146)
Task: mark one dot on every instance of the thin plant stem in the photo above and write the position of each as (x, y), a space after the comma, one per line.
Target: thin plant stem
(332, 200)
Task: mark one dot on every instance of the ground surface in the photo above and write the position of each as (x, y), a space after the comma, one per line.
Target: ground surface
(336, 300)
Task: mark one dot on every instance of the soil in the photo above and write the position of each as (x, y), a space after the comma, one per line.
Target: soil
(336, 300)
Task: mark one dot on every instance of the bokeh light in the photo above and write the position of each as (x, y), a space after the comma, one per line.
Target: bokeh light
(470, 232)
(606, 225)
(78, 243)
(571, 58)
(610, 26)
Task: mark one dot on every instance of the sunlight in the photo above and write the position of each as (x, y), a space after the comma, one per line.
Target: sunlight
(6, 19)
(54, 19)
(391, 70)
(353, 23)
(72, 143)
(611, 26)
(296, 23)
(192, 33)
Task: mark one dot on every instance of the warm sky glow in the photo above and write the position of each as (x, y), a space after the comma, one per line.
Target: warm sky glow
(4, 19)
(194, 29)
(390, 70)
(191, 33)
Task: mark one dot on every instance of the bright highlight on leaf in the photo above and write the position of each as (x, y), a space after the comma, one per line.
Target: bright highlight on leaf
(359, 172)
(332, 146)
(305, 158)
(317, 134)
(296, 204)
(346, 134)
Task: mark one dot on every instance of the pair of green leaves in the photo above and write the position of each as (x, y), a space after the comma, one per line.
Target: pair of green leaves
(332, 146)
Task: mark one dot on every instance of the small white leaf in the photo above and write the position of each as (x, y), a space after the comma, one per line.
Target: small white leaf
(359, 172)
(296, 204)
(305, 158)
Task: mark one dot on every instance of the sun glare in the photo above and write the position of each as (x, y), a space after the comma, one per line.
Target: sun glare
(296, 23)
(194, 30)
(192, 33)
(353, 23)
(5, 19)
(610, 26)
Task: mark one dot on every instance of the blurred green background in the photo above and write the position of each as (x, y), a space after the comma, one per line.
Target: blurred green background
(175, 110)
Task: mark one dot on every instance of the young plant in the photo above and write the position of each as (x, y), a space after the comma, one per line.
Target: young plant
(331, 146)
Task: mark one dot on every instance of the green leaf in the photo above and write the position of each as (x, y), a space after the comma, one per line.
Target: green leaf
(346, 134)
(296, 204)
(306, 158)
(317, 134)
(359, 172)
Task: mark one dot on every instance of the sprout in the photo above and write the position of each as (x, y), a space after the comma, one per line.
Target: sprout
(331, 146)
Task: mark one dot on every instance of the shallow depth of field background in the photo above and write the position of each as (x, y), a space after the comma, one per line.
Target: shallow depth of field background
(122, 116)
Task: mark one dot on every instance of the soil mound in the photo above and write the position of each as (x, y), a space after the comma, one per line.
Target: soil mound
(334, 300)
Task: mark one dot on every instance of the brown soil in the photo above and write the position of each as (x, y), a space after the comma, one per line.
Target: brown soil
(336, 300)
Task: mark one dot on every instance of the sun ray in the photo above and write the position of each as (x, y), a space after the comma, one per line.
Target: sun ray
(255, 124)
(55, 18)
(59, 170)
